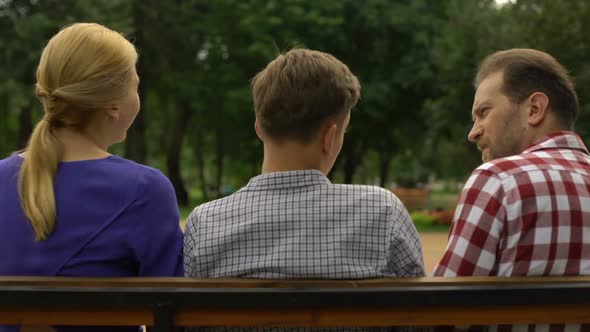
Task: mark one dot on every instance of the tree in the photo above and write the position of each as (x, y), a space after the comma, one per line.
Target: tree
(470, 31)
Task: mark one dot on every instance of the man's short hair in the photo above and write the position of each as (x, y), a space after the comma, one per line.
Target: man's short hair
(299, 90)
(527, 71)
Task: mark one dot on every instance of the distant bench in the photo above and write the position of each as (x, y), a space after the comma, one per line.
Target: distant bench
(167, 302)
(413, 198)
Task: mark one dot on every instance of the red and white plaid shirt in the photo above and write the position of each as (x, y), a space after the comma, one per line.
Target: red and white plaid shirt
(525, 215)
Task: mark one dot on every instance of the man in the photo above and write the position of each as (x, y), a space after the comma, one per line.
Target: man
(290, 222)
(526, 210)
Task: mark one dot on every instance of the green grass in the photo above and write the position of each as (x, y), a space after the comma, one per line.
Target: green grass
(425, 223)
(185, 211)
(443, 200)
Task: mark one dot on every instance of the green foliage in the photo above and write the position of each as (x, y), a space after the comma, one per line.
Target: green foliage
(415, 59)
(425, 222)
(423, 219)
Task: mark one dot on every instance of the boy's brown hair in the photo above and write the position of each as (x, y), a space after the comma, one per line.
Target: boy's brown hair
(527, 71)
(299, 90)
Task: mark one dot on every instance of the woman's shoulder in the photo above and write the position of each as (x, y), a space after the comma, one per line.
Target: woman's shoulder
(144, 176)
(149, 188)
(11, 159)
(11, 163)
(116, 166)
(132, 166)
(115, 173)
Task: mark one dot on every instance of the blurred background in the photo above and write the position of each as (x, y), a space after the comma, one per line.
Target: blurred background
(415, 60)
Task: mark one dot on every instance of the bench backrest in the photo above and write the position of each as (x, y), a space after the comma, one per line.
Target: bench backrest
(168, 302)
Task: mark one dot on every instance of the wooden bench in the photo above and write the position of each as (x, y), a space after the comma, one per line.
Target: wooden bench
(413, 198)
(167, 302)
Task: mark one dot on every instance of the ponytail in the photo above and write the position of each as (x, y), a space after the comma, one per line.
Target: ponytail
(44, 152)
(84, 67)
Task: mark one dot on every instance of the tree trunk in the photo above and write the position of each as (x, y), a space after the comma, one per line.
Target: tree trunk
(201, 165)
(352, 155)
(335, 167)
(384, 162)
(6, 143)
(135, 145)
(219, 154)
(349, 168)
(25, 127)
(255, 170)
(182, 116)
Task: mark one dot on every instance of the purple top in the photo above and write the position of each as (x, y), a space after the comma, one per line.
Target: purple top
(114, 218)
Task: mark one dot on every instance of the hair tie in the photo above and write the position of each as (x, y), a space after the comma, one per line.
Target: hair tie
(50, 101)
(47, 118)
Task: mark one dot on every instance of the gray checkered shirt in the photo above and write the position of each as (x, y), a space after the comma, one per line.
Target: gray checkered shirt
(298, 225)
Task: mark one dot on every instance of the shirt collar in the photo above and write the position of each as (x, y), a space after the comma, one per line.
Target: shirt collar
(558, 140)
(290, 179)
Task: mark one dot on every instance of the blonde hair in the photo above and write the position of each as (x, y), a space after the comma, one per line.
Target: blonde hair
(85, 66)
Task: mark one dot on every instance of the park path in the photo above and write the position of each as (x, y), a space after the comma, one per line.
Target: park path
(433, 247)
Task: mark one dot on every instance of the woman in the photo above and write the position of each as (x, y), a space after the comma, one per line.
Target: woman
(67, 206)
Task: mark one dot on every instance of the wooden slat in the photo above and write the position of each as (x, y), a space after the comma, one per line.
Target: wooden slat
(260, 283)
(305, 303)
(79, 316)
(306, 318)
(362, 317)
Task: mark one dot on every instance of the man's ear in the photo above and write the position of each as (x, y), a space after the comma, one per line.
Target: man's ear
(329, 137)
(112, 112)
(258, 131)
(538, 104)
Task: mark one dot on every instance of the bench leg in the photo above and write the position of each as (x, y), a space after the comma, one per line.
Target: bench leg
(163, 318)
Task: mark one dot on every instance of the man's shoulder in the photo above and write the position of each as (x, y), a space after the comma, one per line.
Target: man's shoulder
(509, 166)
(362, 188)
(366, 192)
(512, 166)
(219, 204)
(352, 193)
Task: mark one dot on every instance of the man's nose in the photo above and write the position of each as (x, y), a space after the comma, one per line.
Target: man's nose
(475, 133)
